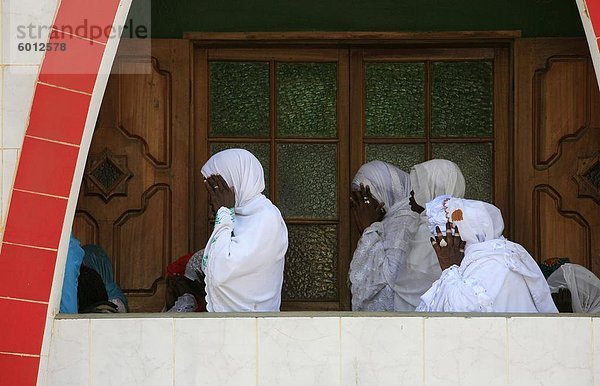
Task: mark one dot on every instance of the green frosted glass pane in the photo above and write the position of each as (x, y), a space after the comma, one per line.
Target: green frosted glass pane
(239, 99)
(311, 263)
(402, 155)
(476, 163)
(260, 151)
(395, 101)
(462, 99)
(306, 99)
(306, 180)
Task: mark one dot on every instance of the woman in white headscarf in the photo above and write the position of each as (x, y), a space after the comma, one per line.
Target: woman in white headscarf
(244, 258)
(383, 245)
(421, 268)
(490, 273)
(583, 285)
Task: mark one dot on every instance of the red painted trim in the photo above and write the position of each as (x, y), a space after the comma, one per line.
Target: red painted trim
(43, 183)
(74, 19)
(62, 122)
(19, 370)
(27, 272)
(593, 8)
(75, 68)
(36, 174)
(22, 325)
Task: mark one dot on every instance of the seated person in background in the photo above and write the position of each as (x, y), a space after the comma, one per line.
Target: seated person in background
(68, 299)
(97, 259)
(562, 298)
(428, 180)
(381, 210)
(244, 257)
(185, 284)
(582, 285)
(91, 293)
(489, 273)
(550, 265)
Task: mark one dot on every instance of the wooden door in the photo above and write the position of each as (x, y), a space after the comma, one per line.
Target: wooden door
(556, 151)
(135, 197)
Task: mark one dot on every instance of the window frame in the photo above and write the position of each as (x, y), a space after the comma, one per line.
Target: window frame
(351, 48)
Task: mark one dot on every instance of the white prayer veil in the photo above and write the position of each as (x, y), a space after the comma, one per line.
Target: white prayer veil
(583, 284)
(494, 275)
(428, 180)
(435, 178)
(387, 182)
(245, 253)
(383, 246)
(477, 221)
(241, 170)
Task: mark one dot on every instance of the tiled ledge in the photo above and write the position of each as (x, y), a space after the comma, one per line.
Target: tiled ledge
(324, 348)
(313, 314)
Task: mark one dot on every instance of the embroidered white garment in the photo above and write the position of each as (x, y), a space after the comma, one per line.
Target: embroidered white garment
(184, 303)
(383, 246)
(421, 268)
(194, 265)
(496, 275)
(583, 284)
(244, 257)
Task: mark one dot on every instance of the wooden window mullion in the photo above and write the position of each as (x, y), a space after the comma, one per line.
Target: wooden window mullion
(428, 110)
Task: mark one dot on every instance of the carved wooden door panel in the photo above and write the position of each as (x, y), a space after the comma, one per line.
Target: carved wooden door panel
(134, 200)
(556, 154)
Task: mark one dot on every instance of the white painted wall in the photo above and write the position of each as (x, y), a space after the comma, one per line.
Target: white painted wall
(18, 78)
(331, 349)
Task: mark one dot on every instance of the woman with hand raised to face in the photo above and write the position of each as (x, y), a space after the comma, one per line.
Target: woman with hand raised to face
(382, 213)
(244, 258)
(428, 180)
(482, 271)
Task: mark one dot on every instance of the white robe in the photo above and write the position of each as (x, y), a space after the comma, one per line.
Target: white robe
(383, 246)
(244, 257)
(583, 284)
(496, 275)
(421, 268)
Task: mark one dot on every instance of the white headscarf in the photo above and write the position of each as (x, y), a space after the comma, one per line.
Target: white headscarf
(496, 275)
(246, 251)
(477, 221)
(429, 180)
(583, 284)
(435, 178)
(383, 246)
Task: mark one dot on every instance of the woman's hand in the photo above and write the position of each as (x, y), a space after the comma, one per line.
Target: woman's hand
(365, 208)
(220, 194)
(450, 249)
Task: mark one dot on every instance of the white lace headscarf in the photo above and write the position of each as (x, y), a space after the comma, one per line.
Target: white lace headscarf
(383, 246)
(428, 180)
(477, 221)
(583, 284)
(480, 282)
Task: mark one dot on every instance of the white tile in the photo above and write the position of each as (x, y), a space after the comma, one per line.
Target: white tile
(382, 351)
(550, 351)
(9, 167)
(69, 353)
(596, 349)
(465, 351)
(132, 352)
(215, 351)
(26, 22)
(298, 351)
(1, 103)
(18, 89)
